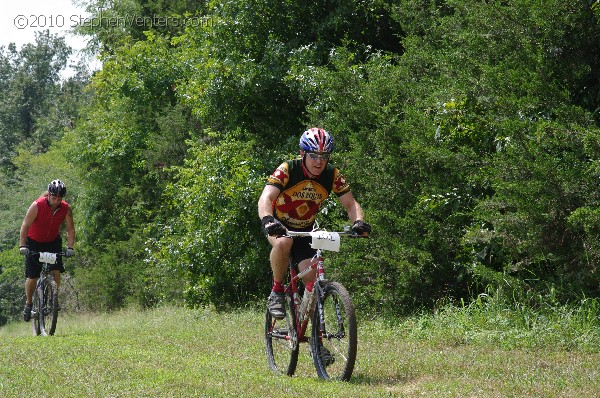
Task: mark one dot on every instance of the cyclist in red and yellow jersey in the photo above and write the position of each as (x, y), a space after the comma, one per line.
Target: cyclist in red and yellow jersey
(292, 199)
(40, 232)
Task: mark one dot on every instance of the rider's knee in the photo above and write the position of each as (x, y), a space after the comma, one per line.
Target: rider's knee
(282, 245)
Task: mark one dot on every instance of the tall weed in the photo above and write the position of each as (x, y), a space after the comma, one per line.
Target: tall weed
(512, 324)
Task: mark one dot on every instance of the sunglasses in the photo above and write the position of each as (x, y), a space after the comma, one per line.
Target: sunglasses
(322, 156)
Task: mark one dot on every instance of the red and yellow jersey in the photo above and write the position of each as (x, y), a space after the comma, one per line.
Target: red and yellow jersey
(301, 197)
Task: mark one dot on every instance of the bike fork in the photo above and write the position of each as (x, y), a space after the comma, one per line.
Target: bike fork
(320, 293)
(37, 307)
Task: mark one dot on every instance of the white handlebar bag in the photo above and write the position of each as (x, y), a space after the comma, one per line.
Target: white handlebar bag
(325, 241)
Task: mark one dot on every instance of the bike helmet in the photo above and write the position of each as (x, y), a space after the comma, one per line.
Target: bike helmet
(57, 188)
(316, 140)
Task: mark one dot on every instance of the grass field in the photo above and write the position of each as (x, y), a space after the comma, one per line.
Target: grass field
(176, 352)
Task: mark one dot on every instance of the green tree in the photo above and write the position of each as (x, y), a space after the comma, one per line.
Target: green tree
(428, 134)
(133, 129)
(467, 129)
(215, 241)
(114, 23)
(30, 84)
(226, 73)
(12, 294)
(241, 58)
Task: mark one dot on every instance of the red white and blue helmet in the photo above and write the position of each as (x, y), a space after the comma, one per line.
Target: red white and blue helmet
(316, 140)
(57, 188)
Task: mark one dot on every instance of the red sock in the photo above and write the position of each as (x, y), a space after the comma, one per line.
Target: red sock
(310, 285)
(277, 286)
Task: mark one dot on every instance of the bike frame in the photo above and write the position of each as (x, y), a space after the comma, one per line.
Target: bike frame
(45, 274)
(318, 264)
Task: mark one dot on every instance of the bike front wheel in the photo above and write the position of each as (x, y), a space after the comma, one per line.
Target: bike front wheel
(281, 341)
(334, 337)
(35, 310)
(47, 308)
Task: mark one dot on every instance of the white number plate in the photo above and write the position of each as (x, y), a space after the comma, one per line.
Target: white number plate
(49, 258)
(325, 241)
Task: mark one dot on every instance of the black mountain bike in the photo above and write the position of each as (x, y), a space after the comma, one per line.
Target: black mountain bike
(44, 310)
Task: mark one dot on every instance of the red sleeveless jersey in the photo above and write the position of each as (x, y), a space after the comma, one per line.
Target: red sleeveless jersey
(46, 226)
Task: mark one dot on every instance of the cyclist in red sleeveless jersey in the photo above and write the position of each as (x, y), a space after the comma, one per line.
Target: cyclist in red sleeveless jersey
(292, 199)
(40, 231)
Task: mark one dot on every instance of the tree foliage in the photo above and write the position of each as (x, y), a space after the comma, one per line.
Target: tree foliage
(215, 239)
(29, 83)
(467, 129)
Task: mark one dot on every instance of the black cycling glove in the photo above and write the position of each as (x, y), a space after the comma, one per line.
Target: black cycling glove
(272, 226)
(360, 227)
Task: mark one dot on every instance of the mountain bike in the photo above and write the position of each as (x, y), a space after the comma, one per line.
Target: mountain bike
(44, 310)
(333, 341)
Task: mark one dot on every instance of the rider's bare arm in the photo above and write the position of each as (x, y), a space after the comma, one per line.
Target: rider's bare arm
(265, 202)
(354, 210)
(27, 221)
(70, 228)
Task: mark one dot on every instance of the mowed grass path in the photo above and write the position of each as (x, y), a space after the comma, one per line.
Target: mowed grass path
(176, 352)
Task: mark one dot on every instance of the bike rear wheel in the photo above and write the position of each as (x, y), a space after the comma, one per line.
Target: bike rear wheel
(281, 341)
(334, 337)
(47, 312)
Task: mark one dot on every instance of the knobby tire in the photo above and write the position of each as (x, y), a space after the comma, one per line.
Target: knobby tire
(46, 311)
(281, 341)
(35, 311)
(334, 342)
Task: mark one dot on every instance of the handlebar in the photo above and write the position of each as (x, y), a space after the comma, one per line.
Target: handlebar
(33, 253)
(346, 232)
(46, 257)
(299, 234)
(324, 240)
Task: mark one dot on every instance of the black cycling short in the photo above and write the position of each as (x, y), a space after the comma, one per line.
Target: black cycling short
(33, 267)
(301, 249)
